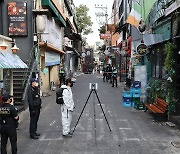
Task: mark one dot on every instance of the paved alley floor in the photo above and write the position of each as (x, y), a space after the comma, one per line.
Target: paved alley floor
(133, 131)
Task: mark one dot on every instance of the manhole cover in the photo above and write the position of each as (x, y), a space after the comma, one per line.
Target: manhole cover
(176, 144)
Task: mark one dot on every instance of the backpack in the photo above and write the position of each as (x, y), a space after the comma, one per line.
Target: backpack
(59, 97)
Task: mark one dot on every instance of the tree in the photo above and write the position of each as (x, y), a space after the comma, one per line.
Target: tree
(83, 20)
(102, 30)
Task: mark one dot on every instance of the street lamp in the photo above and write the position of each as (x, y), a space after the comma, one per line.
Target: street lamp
(15, 48)
(4, 46)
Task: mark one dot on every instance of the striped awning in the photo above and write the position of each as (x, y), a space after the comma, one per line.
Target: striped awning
(8, 60)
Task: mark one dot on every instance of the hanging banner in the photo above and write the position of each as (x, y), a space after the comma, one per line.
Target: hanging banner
(17, 18)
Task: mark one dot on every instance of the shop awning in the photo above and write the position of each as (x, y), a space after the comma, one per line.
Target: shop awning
(8, 60)
(151, 39)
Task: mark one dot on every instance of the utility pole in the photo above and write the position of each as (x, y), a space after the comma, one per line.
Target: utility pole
(101, 14)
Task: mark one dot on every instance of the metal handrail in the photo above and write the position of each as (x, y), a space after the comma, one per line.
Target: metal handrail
(28, 74)
(30, 61)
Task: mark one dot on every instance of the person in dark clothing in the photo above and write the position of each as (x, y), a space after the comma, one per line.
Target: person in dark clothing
(110, 73)
(9, 122)
(34, 101)
(114, 77)
(104, 75)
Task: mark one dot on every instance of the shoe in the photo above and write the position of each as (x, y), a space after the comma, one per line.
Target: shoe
(37, 134)
(68, 135)
(71, 133)
(34, 137)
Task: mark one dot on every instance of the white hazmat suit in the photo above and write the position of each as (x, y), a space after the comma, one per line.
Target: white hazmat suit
(67, 109)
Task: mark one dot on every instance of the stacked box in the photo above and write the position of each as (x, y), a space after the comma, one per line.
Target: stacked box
(139, 106)
(136, 93)
(127, 99)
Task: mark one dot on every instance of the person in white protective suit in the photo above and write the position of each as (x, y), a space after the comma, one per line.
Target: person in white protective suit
(67, 108)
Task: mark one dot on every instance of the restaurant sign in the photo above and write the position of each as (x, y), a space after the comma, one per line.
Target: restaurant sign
(17, 18)
(142, 49)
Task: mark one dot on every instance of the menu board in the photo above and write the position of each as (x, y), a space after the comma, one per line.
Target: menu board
(17, 18)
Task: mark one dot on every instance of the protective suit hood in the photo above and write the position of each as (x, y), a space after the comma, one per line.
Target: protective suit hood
(64, 86)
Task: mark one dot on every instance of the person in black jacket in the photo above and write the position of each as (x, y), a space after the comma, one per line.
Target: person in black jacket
(8, 121)
(34, 101)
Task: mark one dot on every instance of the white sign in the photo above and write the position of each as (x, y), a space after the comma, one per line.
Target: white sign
(88, 53)
(53, 33)
(52, 58)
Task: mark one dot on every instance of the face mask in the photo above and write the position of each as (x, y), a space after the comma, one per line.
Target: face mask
(36, 84)
(71, 85)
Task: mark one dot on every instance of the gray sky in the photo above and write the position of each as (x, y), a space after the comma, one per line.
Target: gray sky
(92, 38)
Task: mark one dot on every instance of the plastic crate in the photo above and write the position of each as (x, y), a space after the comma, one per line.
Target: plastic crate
(135, 90)
(126, 104)
(127, 99)
(136, 84)
(136, 99)
(132, 104)
(127, 94)
(139, 106)
(136, 95)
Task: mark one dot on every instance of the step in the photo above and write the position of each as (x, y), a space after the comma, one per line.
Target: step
(18, 100)
(18, 75)
(18, 84)
(17, 97)
(15, 79)
(17, 92)
(19, 70)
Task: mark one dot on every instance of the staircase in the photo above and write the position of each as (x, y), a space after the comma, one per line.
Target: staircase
(21, 78)
(18, 88)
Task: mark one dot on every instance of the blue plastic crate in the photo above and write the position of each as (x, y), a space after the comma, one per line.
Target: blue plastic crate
(135, 90)
(126, 104)
(136, 95)
(132, 104)
(127, 94)
(127, 99)
(136, 84)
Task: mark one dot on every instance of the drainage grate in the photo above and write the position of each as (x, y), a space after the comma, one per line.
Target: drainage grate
(176, 144)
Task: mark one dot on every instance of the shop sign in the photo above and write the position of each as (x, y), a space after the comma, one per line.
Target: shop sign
(17, 18)
(124, 45)
(142, 49)
(105, 36)
(52, 58)
(53, 34)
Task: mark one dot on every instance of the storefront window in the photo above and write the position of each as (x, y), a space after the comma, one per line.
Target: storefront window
(153, 65)
(157, 65)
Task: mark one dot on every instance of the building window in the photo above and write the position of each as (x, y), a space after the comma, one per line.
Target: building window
(157, 65)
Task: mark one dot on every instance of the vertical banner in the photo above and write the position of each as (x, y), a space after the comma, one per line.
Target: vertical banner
(17, 18)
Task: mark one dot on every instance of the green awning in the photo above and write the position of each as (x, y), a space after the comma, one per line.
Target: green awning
(8, 60)
(48, 3)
